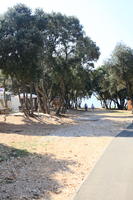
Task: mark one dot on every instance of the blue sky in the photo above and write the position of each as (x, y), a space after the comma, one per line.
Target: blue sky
(105, 21)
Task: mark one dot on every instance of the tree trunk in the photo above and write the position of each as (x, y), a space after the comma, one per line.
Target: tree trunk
(43, 100)
(31, 100)
(105, 104)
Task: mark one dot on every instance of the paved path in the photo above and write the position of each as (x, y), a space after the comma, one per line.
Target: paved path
(112, 177)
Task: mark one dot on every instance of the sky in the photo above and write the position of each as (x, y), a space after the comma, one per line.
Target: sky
(106, 22)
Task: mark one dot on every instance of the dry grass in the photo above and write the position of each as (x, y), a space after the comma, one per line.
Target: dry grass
(48, 158)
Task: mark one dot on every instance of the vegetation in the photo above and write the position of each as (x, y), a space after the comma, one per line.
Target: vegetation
(48, 54)
(51, 56)
(113, 82)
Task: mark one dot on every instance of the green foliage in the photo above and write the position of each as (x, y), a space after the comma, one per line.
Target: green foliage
(122, 67)
(47, 53)
(20, 44)
(114, 81)
(68, 56)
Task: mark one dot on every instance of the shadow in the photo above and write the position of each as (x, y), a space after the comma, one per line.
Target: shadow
(29, 127)
(126, 133)
(85, 124)
(130, 126)
(24, 175)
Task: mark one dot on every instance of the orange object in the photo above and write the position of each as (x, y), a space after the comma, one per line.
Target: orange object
(129, 105)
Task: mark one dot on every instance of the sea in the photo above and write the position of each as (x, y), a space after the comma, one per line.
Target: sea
(89, 101)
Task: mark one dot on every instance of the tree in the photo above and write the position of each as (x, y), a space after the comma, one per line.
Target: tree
(114, 81)
(101, 84)
(122, 67)
(68, 52)
(20, 47)
(47, 53)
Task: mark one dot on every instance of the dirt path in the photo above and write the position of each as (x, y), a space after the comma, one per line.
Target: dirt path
(48, 159)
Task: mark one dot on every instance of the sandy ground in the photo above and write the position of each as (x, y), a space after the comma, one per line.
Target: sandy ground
(48, 158)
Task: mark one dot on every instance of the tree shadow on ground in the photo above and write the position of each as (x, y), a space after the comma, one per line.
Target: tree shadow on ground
(87, 129)
(24, 175)
(29, 126)
(39, 128)
(127, 133)
(33, 128)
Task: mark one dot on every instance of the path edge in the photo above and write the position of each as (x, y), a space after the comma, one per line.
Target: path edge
(82, 182)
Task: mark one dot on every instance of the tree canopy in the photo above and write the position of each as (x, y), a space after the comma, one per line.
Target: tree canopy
(49, 54)
(114, 81)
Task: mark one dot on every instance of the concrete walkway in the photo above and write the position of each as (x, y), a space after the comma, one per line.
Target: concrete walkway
(112, 177)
